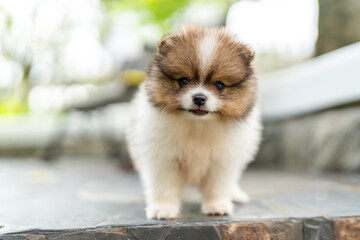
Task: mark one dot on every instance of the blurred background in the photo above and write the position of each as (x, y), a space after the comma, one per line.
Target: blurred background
(68, 70)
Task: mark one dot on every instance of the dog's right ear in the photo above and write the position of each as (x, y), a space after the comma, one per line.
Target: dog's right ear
(166, 43)
(247, 53)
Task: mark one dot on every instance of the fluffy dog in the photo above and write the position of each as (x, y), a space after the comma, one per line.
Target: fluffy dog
(196, 121)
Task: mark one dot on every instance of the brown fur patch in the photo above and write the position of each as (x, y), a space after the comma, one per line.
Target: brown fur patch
(178, 56)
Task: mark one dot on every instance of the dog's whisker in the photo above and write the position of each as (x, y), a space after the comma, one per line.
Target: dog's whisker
(167, 106)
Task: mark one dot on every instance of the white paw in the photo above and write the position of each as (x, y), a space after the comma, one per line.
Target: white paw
(162, 211)
(217, 207)
(239, 196)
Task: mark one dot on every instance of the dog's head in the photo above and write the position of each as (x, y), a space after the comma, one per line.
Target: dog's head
(204, 73)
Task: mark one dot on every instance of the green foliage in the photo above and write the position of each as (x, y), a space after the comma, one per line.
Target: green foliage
(158, 9)
(151, 11)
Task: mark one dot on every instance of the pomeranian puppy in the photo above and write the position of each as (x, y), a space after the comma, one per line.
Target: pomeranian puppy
(196, 121)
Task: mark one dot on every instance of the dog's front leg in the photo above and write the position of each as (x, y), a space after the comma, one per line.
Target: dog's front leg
(163, 188)
(217, 189)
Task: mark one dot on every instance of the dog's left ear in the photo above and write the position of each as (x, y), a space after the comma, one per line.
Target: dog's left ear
(247, 53)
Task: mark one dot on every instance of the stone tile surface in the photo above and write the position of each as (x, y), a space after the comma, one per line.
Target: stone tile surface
(94, 199)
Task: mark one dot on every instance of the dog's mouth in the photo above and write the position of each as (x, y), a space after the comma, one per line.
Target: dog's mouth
(198, 112)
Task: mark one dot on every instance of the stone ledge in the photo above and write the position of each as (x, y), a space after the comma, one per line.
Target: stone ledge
(286, 229)
(92, 199)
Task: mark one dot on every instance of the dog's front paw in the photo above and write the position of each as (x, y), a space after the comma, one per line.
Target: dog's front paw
(162, 211)
(217, 207)
(239, 196)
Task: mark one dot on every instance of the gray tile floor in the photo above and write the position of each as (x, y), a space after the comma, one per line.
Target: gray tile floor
(87, 193)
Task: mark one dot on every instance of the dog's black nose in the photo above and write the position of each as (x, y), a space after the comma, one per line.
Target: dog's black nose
(199, 99)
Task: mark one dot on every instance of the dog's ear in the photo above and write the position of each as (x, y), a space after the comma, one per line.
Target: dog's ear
(246, 53)
(166, 43)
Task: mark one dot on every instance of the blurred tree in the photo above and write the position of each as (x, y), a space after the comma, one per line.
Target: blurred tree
(339, 23)
(43, 43)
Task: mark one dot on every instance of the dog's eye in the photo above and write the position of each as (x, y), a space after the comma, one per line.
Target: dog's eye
(219, 85)
(183, 81)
